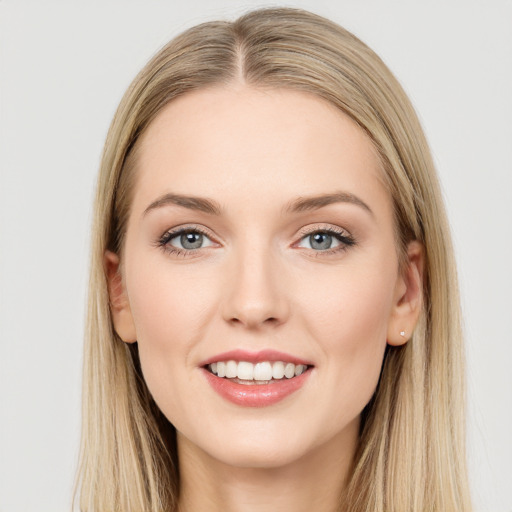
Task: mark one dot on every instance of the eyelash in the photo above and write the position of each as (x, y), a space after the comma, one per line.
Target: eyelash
(163, 241)
(343, 237)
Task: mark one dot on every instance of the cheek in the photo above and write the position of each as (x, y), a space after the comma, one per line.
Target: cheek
(350, 324)
(350, 305)
(168, 302)
(170, 308)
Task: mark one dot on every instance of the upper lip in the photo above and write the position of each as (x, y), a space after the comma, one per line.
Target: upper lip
(255, 357)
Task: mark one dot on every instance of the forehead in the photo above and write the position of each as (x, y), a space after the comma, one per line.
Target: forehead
(240, 143)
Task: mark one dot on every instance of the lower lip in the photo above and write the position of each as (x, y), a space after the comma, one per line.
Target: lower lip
(256, 395)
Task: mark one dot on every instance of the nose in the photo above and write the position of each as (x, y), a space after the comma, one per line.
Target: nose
(255, 294)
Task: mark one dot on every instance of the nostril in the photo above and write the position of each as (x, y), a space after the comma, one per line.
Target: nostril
(254, 322)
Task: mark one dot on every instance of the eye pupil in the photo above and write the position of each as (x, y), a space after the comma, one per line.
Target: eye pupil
(320, 241)
(191, 240)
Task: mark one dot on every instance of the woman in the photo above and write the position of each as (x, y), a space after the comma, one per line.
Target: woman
(273, 318)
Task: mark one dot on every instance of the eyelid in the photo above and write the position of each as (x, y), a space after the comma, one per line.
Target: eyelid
(171, 233)
(163, 241)
(324, 228)
(174, 237)
(343, 236)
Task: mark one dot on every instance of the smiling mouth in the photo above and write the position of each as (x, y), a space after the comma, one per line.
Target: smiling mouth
(264, 372)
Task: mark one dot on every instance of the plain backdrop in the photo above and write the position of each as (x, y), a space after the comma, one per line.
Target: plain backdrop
(63, 69)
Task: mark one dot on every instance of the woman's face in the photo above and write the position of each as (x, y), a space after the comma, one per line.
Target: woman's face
(260, 231)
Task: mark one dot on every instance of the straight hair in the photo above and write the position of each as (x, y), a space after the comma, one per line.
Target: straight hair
(411, 452)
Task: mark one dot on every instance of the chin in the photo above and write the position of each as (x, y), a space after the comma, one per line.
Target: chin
(259, 456)
(248, 445)
(268, 438)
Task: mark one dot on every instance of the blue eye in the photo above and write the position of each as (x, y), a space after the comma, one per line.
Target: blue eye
(189, 240)
(325, 240)
(185, 240)
(322, 241)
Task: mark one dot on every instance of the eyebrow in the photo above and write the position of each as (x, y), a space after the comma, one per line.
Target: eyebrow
(300, 204)
(192, 203)
(315, 202)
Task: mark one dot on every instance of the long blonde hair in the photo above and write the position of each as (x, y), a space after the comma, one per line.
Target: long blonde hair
(411, 455)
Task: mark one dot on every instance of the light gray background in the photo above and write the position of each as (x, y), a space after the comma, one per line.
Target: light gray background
(63, 68)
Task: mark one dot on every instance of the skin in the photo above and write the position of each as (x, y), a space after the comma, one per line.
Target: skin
(257, 284)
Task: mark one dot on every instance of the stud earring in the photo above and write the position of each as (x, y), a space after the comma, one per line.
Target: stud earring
(402, 333)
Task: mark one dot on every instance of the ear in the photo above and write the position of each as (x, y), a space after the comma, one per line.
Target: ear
(119, 305)
(408, 299)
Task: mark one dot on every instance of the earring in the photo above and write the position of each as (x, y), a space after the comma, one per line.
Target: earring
(402, 333)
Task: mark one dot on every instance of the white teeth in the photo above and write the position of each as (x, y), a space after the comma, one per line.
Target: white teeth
(231, 369)
(262, 372)
(278, 370)
(245, 371)
(289, 371)
(221, 369)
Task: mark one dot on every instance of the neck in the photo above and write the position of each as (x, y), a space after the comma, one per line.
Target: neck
(314, 482)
